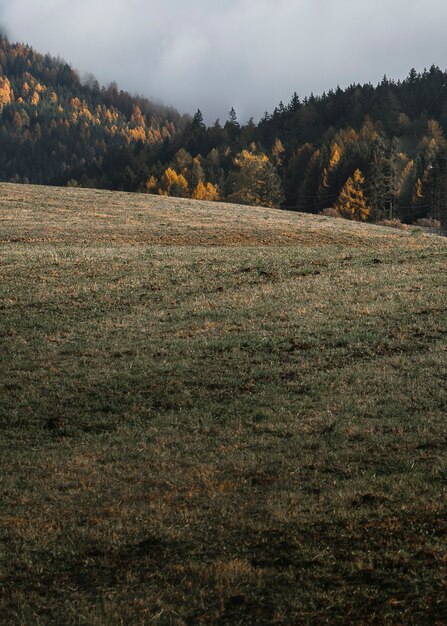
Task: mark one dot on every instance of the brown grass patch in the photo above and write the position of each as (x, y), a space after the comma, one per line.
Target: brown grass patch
(35, 214)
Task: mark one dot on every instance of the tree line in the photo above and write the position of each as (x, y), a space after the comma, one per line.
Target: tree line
(367, 152)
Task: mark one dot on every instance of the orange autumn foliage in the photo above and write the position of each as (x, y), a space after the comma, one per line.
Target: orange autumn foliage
(351, 202)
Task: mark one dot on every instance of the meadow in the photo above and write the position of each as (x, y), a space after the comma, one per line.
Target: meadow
(216, 414)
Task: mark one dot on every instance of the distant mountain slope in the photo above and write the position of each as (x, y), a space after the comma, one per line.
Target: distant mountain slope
(55, 127)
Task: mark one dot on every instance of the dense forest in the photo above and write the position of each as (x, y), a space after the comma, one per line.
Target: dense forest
(366, 152)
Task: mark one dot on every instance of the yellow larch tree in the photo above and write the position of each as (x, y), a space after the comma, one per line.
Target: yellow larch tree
(137, 134)
(5, 92)
(334, 160)
(151, 184)
(137, 130)
(206, 191)
(278, 153)
(137, 118)
(336, 154)
(418, 194)
(351, 202)
(173, 184)
(407, 168)
(256, 181)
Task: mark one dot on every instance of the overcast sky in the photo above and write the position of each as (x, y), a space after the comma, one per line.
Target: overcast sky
(249, 54)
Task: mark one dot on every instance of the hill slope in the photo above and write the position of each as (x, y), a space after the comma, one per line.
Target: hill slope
(39, 214)
(212, 433)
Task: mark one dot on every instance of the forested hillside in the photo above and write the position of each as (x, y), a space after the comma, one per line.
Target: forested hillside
(56, 129)
(369, 153)
(386, 143)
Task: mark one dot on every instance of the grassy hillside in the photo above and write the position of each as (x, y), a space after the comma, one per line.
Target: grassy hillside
(213, 414)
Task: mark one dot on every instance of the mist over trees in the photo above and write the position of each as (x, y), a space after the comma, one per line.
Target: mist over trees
(369, 152)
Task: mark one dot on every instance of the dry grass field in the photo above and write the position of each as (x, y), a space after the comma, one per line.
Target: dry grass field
(214, 414)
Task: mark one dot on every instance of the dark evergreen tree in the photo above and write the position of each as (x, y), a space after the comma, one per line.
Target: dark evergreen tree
(197, 121)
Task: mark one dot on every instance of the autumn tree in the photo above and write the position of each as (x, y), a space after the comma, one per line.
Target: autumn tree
(5, 92)
(206, 191)
(351, 202)
(182, 161)
(256, 181)
(196, 174)
(173, 184)
(151, 184)
(277, 155)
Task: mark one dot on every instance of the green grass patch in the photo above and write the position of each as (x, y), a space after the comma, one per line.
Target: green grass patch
(218, 431)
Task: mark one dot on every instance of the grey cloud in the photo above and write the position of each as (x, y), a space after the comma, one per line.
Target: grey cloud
(243, 53)
(3, 27)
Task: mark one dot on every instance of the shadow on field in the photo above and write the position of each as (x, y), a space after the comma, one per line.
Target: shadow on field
(341, 573)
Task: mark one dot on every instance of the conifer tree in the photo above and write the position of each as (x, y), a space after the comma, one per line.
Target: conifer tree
(197, 121)
(232, 126)
(232, 117)
(438, 184)
(310, 184)
(382, 178)
(294, 103)
(351, 202)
